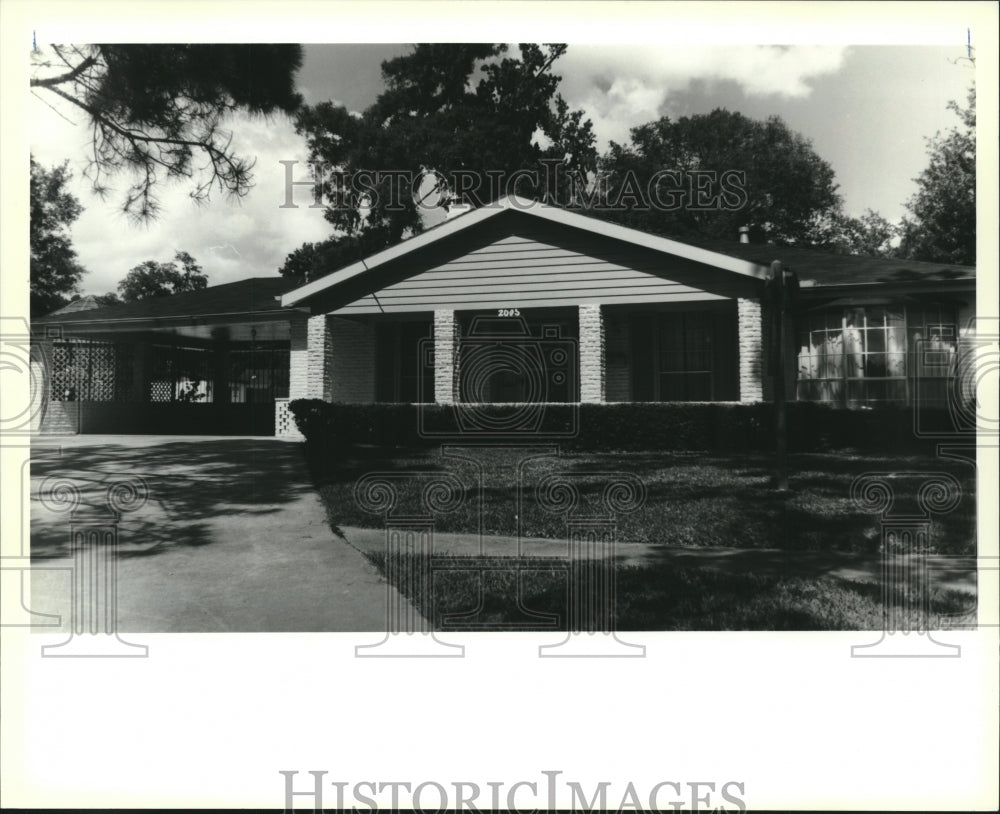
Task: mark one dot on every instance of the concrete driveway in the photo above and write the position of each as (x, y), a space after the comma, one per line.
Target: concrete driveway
(232, 537)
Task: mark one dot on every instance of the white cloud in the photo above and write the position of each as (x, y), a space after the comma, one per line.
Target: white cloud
(259, 234)
(620, 87)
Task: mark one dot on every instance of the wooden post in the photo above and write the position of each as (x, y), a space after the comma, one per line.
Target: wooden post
(778, 360)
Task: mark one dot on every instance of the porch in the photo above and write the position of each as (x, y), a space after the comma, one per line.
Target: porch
(707, 350)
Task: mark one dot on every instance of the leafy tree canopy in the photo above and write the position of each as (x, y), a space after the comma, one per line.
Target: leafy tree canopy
(157, 111)
(788, 190)
(870, 234)
(446, 108)
(152, 279)
(942, 222)
(54, 270)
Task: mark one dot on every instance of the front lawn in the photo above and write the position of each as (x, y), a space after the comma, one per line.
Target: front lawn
(485, 595)
(693, 499)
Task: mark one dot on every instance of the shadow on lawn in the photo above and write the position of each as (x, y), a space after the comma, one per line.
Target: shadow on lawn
(692, 499)
(188, 482)
(507, 594)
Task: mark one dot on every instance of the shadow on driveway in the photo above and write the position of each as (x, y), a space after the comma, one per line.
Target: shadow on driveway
(188, 483)
(232, 537)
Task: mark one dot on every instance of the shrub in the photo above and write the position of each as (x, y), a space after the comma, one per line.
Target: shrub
(690, 426)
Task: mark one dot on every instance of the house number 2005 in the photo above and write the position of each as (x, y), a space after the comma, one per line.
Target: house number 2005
(508, 312)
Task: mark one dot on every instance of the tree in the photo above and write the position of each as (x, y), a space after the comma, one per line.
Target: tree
(942, 226)
(446, 108)
(870, 235)
(152, 279)
(688, 170)
(54, 270)
(154, 108)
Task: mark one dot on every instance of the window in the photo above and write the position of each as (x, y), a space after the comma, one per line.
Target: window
(859, 355)
(685, 357)
(932, 333)
(401, 376)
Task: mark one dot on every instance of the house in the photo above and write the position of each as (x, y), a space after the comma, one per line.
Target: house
(514, 302)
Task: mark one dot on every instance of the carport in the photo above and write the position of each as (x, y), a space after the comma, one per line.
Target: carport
(212, 362)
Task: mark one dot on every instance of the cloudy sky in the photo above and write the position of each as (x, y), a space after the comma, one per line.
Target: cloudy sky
(867, 110)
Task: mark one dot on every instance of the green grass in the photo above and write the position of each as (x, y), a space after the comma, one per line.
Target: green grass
(693, 499)
(664, 597)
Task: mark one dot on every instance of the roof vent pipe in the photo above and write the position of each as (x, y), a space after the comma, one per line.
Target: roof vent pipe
(744, 234)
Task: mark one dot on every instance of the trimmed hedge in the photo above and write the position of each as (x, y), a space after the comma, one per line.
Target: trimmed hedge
(715, 427)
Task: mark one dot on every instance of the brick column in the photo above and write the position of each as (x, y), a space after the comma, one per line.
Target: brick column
(751, 339)
(320, 353)
(591, 351)
(446, 329)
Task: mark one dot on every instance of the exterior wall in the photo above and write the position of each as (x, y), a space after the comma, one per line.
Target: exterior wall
(446, 329)
(349, 372)
(60, 418)
(526, 271)
(617, 360)
(751, 349)
(298, 360)
(592, 353)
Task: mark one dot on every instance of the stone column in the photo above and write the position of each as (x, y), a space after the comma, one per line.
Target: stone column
(445, 356)
(591, 351)
(320, 354)
(751, 342)
(309, 358)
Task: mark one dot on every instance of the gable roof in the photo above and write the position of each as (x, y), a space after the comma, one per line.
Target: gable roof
(545, 212)
(255, 295)
(815, 269)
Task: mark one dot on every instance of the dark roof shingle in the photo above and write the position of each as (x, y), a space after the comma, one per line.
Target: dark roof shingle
(254, 295)
(828, 268)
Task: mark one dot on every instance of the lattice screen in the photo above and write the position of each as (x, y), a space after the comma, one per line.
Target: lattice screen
(84, 370)
(284, 422)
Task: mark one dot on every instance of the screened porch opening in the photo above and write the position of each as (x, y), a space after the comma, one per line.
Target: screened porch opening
(685, 353)
(526, 356)
(404, 361)
(258, 375)
(181, 374)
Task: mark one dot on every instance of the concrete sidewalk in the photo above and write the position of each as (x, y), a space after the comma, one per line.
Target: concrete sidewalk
(232, 538)
(946, 573)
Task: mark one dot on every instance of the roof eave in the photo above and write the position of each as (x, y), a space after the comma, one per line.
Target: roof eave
(228, 316)
(546, 212)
